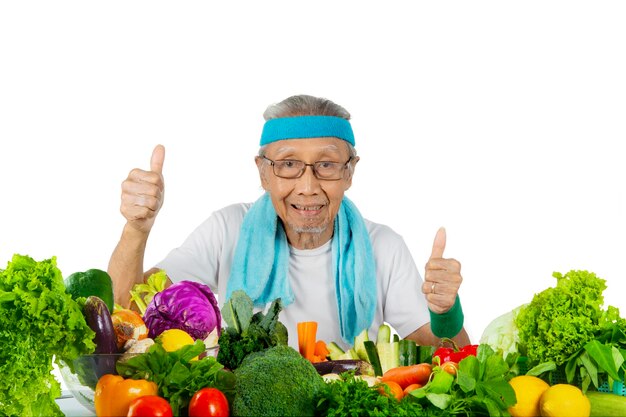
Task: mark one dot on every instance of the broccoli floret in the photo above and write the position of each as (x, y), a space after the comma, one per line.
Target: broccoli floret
(276, 382)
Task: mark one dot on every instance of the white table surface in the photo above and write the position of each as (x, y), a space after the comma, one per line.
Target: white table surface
(71, 407)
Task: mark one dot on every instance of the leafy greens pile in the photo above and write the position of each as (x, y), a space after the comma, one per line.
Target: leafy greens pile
(247, 331)
(177, 376)
(567, 325)
(38, 321)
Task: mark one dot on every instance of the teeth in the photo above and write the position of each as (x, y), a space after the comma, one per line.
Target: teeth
(308, 208)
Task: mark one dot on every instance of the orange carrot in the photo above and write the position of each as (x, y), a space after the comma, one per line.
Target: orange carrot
(321, 349)
(307, 332)
(394, 389)
(411, 388)
(407, 375)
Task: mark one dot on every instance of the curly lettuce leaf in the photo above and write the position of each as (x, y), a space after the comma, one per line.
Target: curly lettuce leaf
(560, 320)
(39, 321)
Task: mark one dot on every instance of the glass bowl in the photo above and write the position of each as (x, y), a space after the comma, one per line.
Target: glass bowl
(81, 376)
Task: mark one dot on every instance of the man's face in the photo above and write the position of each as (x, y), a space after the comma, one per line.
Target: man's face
(306, 205)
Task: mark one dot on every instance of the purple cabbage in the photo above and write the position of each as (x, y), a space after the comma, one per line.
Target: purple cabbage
(186, 305)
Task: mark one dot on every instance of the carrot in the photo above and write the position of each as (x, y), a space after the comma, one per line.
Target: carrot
(407, 375)
(411, 388)
(394, 389)
(307, 332)
(321, 349)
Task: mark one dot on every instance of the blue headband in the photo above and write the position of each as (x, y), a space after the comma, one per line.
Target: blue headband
(302, 127)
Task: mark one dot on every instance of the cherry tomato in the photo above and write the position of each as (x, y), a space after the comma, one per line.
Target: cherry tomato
(149, 406)
(208, 402)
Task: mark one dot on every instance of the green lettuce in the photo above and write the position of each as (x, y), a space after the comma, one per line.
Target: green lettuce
(39, 323)
(561, 320)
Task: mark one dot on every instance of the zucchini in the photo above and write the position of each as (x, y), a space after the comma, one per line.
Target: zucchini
(98, 318)
(358, 344)
(407, 352)
(606, 404)
(372, 357)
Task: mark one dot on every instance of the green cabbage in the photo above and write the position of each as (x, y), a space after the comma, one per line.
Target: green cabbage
(502, 333)
(38, 322)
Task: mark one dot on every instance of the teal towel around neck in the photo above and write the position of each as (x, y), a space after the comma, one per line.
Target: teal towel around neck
(261, 263)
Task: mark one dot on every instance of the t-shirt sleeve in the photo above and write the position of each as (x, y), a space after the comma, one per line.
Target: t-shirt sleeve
(197, 259)
(405, 306)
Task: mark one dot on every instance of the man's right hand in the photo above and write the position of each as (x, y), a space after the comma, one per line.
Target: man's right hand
(143, 193)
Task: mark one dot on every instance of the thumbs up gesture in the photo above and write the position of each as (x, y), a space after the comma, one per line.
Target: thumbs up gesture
(143, 193)
(442, 277)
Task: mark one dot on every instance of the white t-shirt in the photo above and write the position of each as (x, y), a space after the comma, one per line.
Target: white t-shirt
(207, 254)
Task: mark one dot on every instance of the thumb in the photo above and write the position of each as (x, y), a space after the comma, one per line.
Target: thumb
(439, 245)
(158, 156)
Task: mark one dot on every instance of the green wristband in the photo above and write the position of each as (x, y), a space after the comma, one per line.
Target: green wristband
(447, 324)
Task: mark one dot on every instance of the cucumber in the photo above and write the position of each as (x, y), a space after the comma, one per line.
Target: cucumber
(425, 353)
(606, 404)
(407, 352)
(384, 334)
(389, 355)
(335, 351)
(98, 318)
(372, 357)
(349, 354)
(358, 344)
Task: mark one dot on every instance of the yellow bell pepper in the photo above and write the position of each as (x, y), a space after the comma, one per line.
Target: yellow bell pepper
(114, 394)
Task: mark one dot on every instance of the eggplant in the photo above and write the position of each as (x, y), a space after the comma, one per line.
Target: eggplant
(98, 318)
(339, 366)
(102, 362)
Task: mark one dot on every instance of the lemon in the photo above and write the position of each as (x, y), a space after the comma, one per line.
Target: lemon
(528, 390)
(174, 339)
(564, 400)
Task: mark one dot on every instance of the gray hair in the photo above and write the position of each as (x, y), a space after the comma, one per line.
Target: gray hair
(304, 105)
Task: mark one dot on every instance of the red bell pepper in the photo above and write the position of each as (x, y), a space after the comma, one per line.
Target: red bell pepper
(454, 354)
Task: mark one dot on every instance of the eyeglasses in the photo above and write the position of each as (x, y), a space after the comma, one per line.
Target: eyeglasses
(323, 170)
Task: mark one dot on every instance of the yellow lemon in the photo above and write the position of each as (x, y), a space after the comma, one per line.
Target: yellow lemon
(174, 339)
(564, 400)
(528, 390)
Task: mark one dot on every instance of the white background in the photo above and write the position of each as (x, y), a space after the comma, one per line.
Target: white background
(503, 122)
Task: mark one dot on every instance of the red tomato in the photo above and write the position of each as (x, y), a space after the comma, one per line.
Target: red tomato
(208, 402)
(149, 406)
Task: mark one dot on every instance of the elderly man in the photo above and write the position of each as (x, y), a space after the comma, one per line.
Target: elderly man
(302, 240)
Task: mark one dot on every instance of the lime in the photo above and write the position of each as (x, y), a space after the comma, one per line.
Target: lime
(91, 282)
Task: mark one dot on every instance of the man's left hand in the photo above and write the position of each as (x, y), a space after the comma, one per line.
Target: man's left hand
(442, 277)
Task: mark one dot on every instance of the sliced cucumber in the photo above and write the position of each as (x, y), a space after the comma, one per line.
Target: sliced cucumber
(349, 354)
(335, 351)
(389, 355)
(384, 334)
(358, 344)
(372, 357)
